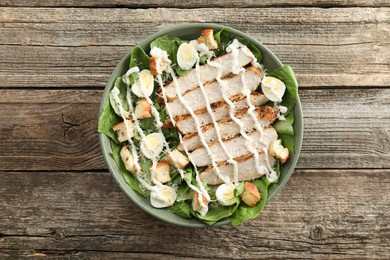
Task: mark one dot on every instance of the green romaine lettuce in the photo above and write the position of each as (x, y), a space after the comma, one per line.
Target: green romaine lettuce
(170, 44)
(181, 208)
(122, 96)
(129, 177)
(244, 212)
(216, 214)
(108, 118)
(286, 74)
(285, 128)
(223, 40)
(138, 58)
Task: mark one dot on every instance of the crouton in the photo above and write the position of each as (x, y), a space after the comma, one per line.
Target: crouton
(251, 195)
(195, 202)
(179, 158)
(277, 150)
(207, 37)
(142, 110)
(162, 172)
(121, 132)
(158, 65)
(128, 160)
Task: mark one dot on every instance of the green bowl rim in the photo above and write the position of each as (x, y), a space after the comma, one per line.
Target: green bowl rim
(105, 141)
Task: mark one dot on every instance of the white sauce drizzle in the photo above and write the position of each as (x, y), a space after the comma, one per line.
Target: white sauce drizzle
(282, 110)
(198, 128)
(201, 190)
(216, 128)
(126, 80)
(249, 141)
(271, 174)
(115, 93)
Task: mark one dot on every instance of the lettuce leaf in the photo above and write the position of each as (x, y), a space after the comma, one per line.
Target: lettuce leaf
(286, 74)
(165, 43)
(138, 58)
(122, 96)
(285, 131)
(216, 214)
(108, 118)
(181, 208)
(244, 212)
(223, 40)
(129, 177)
(285, 128)
(170, 44)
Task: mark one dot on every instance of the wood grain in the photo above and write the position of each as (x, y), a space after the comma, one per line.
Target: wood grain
(193, 4)
(87, 214)
(57, 129)
(73, 47)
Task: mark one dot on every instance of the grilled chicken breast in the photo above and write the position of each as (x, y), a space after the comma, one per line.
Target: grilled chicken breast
(236, 147)
(229, 128)
(185, 124)
(207, 73)
(246, 169)
(196, 100)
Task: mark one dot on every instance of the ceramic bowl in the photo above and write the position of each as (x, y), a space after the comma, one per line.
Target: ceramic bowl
(189, 32)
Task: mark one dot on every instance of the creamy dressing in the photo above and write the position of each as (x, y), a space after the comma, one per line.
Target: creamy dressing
(232, 111)
(282, 110)
(216, 127)
(198, 128)
(201, 190)
(202, 49)
(115, 93)
(270, 173)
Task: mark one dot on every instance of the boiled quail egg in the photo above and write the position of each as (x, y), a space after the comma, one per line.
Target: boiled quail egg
(186, 56)
(162, 196)
(152, 145)
(225, 194)
(273, 88)
(143, 87)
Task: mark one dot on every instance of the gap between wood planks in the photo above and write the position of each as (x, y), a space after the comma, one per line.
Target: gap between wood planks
(137, 5)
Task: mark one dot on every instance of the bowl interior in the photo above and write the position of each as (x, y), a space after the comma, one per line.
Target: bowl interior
(189, 32)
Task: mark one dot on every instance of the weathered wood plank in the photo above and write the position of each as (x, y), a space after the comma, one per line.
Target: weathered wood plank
(56, 129)
(80, 47)
(192, 4)
(320, 214)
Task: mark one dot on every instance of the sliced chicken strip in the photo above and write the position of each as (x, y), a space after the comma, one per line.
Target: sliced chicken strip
(246, 169)
(207, 73)
(186, 123)
(195, 98)
(228, 128)
(236, 146)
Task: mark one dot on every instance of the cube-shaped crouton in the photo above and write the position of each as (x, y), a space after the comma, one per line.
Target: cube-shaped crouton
(162, 172)
(180, 159)
(142, 110)
(207, 37)
(251, 195)
(277, 150)
(158, 65)
(128, 160)
(195, 202)
(121, 131)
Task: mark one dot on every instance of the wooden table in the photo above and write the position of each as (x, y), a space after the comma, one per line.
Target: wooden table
(57, 198)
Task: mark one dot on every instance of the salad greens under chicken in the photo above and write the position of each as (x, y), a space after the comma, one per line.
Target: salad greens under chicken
(200, 127)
